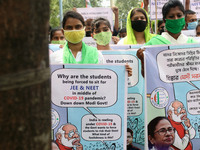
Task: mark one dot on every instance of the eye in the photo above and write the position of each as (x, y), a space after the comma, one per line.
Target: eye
(70, 134)
(178, 110)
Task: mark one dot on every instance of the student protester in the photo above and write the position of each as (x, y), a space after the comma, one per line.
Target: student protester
(88, 24)
(190, 20)
(173, 16)
(75, 51)
(161, 26)
(130, 140)
(122, 33)
(138, 27)
(101, 32)
(57, 36)
(160, 134)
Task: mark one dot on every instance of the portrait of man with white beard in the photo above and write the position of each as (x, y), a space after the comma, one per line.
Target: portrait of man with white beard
(177, 116)
(68, 138)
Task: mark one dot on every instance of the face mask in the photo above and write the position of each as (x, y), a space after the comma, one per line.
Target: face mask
(88, 33)
(103, 38)
(62, 42)
(139, 25)
(74, 36)
(192, 25)
(175, 25)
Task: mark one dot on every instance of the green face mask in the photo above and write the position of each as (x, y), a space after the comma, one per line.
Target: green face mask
(175, 25)
(103, 38)
(62, 42)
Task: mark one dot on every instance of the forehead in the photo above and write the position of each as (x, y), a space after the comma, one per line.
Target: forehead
(174, 10)
(101, 25)
(191, 16)
(128, 134)
(177, 104)
(58, 32)
(72, 22)
(138, 14)
(67, 128)
(163, 124)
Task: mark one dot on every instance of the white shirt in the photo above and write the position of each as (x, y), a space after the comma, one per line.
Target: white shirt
(57, 57)
(182, 39)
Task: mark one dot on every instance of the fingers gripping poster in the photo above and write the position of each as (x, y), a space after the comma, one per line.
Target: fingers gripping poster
(89, 107)
(172, 88)
(135, 103)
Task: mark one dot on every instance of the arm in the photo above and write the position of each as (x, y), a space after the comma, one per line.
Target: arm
(116, 12)
(192, 132)
(181, 143)
(187, 4)
(146, 3)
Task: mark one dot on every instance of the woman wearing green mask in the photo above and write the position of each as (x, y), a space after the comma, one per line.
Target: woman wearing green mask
(75, 51)
(138, 27)
(101, 32)
(57, 37)
(173, 16)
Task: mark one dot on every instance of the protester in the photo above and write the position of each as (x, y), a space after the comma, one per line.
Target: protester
(198, 30)
(161, 26)
(57, 36)
(160, 134)
(130, 140)
(173, 16)
(122, 33)
(101, 32)
(190, 20)
(88, 24)
(138, 27)
(75, 51)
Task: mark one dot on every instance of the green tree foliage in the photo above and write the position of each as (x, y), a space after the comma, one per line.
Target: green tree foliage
(67, 5)
(124, 7)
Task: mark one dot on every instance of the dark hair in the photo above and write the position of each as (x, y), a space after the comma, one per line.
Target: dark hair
(171, 4)
(53, 32)
(139, 10)
(97, 22)
(189, 12)
(122, 30)
(129, 130)
(152, 126)
(73, 14)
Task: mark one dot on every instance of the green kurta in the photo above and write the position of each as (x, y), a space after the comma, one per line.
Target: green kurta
(160, 40)
(89, 55)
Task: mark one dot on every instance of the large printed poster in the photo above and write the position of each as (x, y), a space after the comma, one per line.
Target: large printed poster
(89, 106)
(172, 88)
(135, 100)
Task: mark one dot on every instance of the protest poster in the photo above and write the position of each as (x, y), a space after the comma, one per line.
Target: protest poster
(172, 90)
(189, 33)
(195, 6)
(159, 4)
(96, 12)
(135, 99)
(92, 98)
